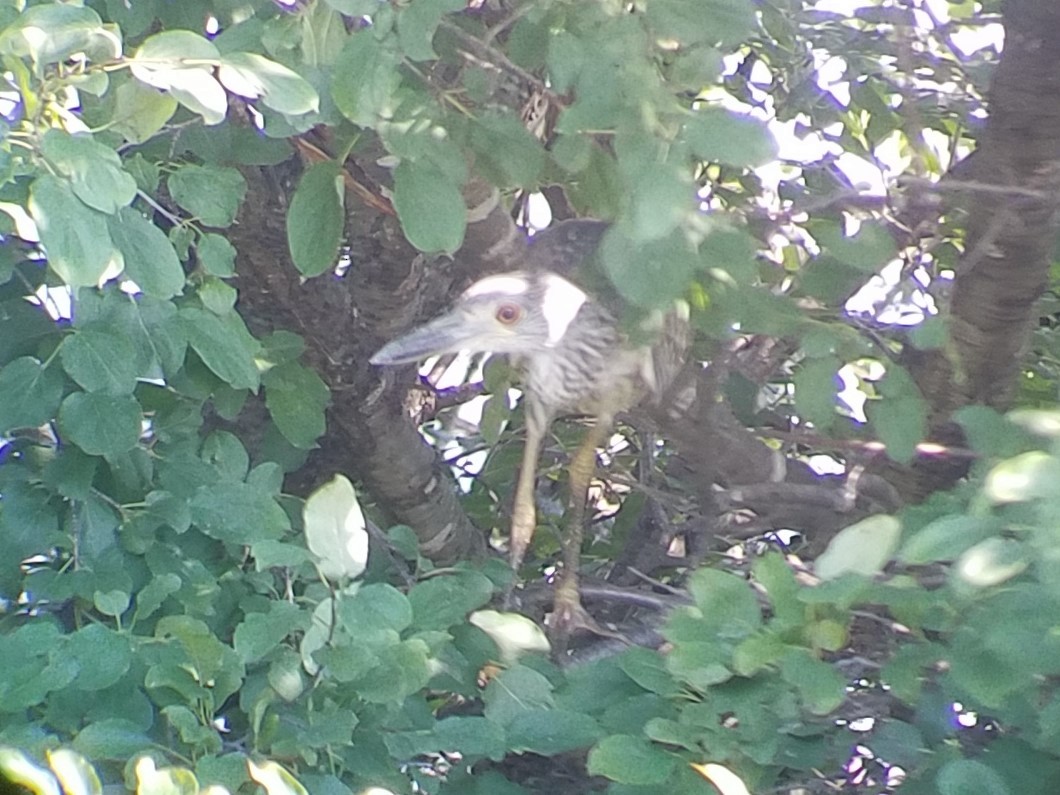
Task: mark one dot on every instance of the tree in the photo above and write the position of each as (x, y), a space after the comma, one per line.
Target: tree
(216, 211)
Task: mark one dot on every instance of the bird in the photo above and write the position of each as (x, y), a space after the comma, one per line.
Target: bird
(572, 355)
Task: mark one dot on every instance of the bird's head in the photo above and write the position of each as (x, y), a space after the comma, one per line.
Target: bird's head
(518, 313)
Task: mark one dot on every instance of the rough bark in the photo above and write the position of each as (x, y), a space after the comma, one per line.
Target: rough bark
(1011, 201)
(387, 287)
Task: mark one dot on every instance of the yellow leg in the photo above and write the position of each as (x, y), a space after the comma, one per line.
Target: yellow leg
(524, 512)
(568, 614)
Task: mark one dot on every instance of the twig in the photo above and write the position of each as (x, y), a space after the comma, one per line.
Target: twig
(487, 55)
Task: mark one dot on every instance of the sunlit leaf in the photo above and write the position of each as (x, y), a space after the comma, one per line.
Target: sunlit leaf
(74, 236)
(335, 530)
(182, 63)
(514, 633)
(724, 780)
(94, 170)
(256, 77)
(862, 548)
(74, 772)
(1024, 477)
(992, 562)
(52, 32)
(274, 779)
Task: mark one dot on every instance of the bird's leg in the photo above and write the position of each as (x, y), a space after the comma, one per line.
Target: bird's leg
(524, 512)
(568, 613)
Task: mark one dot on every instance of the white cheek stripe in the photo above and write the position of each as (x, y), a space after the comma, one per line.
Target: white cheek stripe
(505, 284)
(562, 301)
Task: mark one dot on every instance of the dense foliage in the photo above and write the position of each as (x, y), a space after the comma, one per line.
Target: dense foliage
(215, 210)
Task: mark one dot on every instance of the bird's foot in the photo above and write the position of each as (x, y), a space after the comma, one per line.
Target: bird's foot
(568, 617)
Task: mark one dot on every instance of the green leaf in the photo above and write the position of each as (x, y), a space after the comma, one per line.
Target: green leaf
(225, 452)
(353, 8)
(101, 424)
(224, 345)
(216, 296)
(297, 399)
(869, 249)
(237, 513)
(378, 610)
(152, 595)
(74, 236)
(165, 333)
(1025, 477)
(506, 151)
(472, 736)
(647, 668)
(111, 603)
(260, 633)
(417, 23)
(572, 153)
(757, 653)
(630, 760)
(94, 170)
(268, 554)
(212, 195)
(104, 656)
(140, 112)
(446, 600)
(515, 691)
(705, 21)
(815, 391)
(551, 731)
(402, 670)
(100, 361)
(52, 32)
(364, 78)
(822, 687)
(430, 207)
(970, 777)
(150, 259)
(721, 136)
(335, 530)
(660, 198)
(216, 255)
(316, 218)
(898, 742)
(256, 77)
(29, 393)
(900, 418)
(992, 562)
(113, 738)
(947, 537)
(864, 547)
(650, 274)
(726, 601)
(182, 63)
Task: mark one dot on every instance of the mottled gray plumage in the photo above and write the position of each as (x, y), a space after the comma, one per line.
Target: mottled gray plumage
(572, 356)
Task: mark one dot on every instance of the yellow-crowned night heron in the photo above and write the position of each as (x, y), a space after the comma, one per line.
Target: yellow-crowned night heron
(573, 358)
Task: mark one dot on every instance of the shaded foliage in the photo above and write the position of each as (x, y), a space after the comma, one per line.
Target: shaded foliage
(215, 211)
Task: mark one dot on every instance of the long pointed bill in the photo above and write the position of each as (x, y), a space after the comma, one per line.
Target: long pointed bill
(450, 333)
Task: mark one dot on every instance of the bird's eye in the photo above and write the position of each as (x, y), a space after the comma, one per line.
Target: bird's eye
(509, 313)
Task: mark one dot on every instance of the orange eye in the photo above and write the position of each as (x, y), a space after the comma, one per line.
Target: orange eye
(509, 314)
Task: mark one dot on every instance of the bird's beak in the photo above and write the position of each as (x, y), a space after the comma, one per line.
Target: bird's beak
(449, 333)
